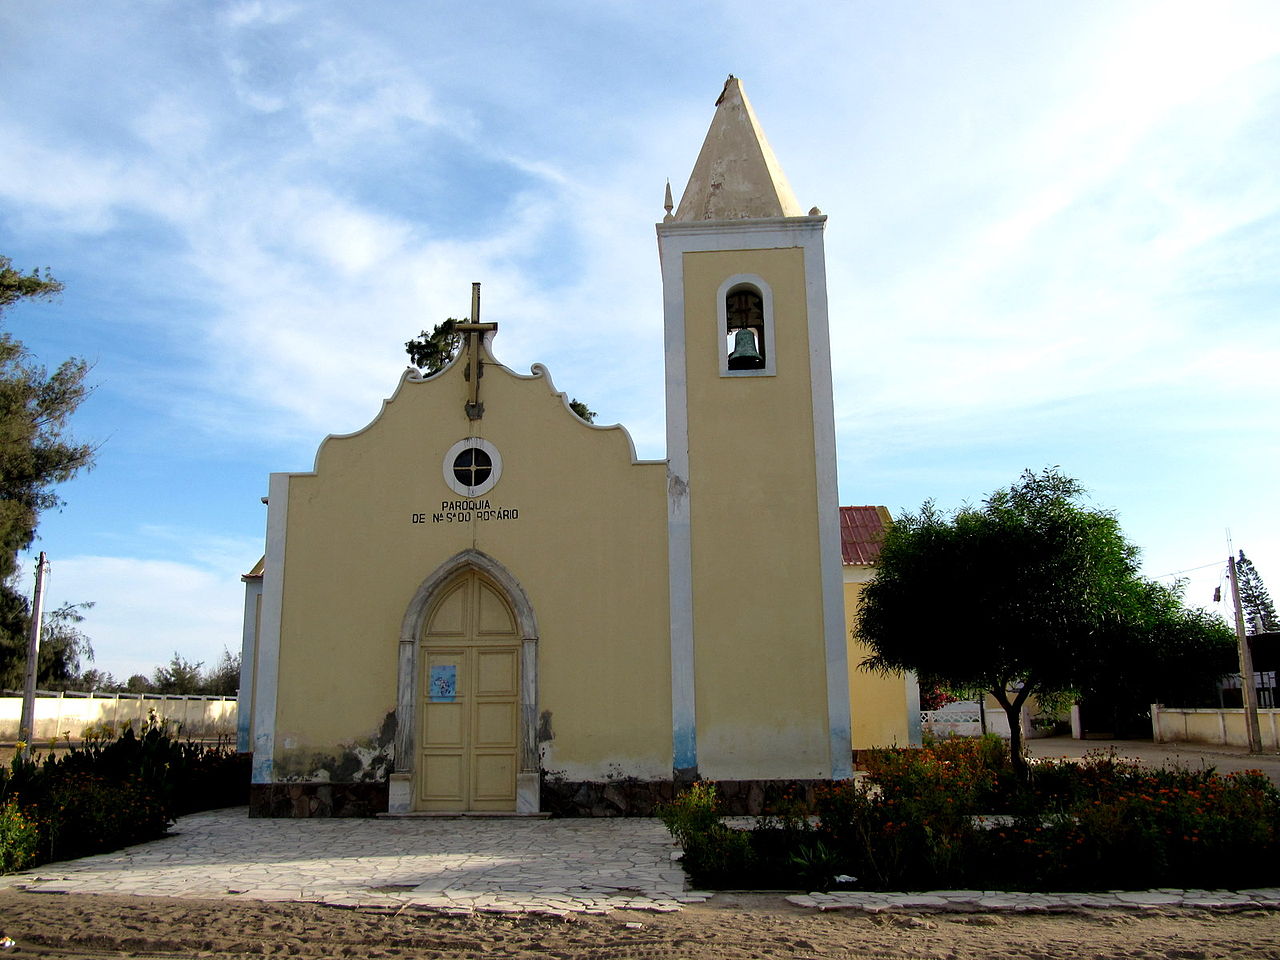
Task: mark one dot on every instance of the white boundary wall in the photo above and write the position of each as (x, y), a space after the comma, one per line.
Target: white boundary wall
(1217, 725)
(59, 715)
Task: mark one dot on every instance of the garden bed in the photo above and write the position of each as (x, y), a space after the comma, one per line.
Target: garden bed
(956, 814)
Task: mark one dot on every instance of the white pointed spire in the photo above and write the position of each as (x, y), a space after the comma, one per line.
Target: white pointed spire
(736, 176)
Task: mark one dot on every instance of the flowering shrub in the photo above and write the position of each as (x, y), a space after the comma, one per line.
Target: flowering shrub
(918, 821)
(18, 839)
(1151, 828)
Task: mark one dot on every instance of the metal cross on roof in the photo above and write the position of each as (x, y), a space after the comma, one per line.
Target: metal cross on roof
(474, 331)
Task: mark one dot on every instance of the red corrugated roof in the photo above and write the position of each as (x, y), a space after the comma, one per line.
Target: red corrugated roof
(860, 532)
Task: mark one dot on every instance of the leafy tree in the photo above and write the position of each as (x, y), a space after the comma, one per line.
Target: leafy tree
(224, 679)
(35, 455)
(1255, 601)
(1163, 653)
(1031, 593)
(15, 285)
(582, 410)
(62, 644)
(95, 679)
(431, 352)
(180, 676)
(138, 683)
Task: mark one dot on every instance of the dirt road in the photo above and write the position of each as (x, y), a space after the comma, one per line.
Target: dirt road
(731, 927)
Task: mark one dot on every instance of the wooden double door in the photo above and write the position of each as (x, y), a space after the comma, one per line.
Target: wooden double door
(469, 701)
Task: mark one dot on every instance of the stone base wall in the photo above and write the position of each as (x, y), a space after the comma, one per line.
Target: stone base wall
(317, 799)
(640, 798)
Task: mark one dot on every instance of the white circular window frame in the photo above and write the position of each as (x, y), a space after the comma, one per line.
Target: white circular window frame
(472, 443)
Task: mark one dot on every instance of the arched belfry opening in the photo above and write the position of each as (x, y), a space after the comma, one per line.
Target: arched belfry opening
(744, 323)
(745, 326)
(466, 701)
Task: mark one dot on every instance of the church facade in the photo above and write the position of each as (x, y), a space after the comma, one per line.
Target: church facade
(481, 602)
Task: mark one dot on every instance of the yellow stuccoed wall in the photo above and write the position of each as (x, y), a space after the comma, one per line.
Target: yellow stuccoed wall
(760, 685)
(589, 548)
(878, 703)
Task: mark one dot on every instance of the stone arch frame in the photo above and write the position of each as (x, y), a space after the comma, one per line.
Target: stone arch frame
(528, 775)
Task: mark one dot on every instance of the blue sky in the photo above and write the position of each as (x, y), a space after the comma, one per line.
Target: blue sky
(1054, 238)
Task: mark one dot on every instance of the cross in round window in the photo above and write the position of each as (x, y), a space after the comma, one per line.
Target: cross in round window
(472, 466)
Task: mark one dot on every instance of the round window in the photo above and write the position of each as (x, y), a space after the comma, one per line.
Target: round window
(472, 467)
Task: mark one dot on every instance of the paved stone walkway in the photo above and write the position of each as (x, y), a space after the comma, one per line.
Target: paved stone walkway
(461, 866)
(454, 865)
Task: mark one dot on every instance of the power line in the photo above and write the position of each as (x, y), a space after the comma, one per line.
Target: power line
(1190, 570)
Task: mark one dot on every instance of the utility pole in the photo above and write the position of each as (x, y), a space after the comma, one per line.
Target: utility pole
(27, 726)
(1249, 694)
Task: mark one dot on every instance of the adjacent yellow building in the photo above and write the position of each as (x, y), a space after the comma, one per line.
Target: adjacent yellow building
(481, 602)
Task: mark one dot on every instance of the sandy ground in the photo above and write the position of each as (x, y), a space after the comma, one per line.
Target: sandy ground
(730, 927)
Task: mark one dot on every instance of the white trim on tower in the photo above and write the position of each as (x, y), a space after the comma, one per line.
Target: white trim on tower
(267, 671)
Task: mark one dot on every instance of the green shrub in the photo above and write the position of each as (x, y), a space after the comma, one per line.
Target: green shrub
(112, 791)
(715, 855)
(693, 813)
(19, 838)
(83, 814)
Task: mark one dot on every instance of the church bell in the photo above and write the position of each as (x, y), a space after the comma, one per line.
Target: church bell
(745, 356)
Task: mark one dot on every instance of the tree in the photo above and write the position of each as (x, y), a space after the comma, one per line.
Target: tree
(35, 455)
(1255, 601)
(1165, 653)
(180, 676)
(1031, 593)
(431, 352)
(15, 285)
(94, 679)
(224, 679)
(62, 645)
(138, 683)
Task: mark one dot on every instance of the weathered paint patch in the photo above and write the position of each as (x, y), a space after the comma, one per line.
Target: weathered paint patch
(545, 733)
(685, 742)
(841, 754)
(366, 760)
(263, 768)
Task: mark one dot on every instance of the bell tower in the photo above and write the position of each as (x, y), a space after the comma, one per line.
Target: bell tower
(759, 663)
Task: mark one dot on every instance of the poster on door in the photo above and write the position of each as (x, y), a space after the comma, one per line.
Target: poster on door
(443, 686)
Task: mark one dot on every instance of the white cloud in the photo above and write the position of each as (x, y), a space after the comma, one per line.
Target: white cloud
(249, 12)
(145, 610)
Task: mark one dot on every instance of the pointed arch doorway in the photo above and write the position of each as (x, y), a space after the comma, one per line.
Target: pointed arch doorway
(467, 694)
